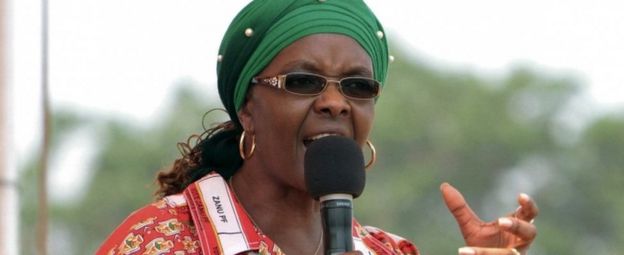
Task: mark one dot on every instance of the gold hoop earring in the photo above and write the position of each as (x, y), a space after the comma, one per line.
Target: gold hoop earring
(373, 154)
(241, 146)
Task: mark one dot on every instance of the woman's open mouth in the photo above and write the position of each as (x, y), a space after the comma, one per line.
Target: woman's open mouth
(308, 140)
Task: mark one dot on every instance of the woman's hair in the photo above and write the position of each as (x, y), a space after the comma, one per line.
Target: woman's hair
(216, 149)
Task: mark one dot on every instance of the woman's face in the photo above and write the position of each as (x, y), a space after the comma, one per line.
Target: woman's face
(284, 123)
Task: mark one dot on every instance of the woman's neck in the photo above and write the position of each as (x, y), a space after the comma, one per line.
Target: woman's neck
(290, 217)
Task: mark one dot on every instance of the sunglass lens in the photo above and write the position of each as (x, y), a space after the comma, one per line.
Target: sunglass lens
(360, 87)
(304, 84)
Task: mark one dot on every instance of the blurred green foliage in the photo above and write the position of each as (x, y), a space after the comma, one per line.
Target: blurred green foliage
(491, 138)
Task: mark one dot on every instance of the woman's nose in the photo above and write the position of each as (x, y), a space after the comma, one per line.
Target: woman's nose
(332, 102)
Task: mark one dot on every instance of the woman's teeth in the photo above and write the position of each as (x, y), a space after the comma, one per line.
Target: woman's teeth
(311, 139)
(319, 136)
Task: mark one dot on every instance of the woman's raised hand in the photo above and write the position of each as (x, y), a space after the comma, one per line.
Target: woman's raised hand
(511, 235)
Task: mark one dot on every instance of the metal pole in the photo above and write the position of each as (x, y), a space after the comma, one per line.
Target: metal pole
(42, 215)
(4, 183)
(8, 192)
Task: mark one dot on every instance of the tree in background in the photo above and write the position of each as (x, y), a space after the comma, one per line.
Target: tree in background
(491, 138)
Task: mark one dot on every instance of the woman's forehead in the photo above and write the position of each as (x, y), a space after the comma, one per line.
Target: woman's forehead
(322, 53)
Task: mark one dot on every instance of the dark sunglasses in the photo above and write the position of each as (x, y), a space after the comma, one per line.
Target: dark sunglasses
(308, 84)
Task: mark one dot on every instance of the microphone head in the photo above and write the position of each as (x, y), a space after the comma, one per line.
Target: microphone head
(332, 165)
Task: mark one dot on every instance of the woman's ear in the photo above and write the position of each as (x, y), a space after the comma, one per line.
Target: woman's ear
(245, 115)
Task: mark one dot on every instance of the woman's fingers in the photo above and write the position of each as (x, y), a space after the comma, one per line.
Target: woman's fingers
(528, 208)
(458, 206)
(520, 228)
(487, 251)
(510, 234)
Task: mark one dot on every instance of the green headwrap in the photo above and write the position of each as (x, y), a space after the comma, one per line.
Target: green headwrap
(265, 27)
(257, 34)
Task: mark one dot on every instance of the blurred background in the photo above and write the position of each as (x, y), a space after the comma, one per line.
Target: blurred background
(495, 97)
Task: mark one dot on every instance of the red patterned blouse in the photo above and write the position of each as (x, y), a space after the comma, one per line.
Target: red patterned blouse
(207, 219)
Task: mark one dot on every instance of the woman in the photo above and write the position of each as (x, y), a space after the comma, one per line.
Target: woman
(242, 189)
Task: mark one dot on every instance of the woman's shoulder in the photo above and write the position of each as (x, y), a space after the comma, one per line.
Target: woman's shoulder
(384, 242)
(162, 226)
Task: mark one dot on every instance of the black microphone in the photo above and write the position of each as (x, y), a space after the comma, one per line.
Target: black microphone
(334, 175)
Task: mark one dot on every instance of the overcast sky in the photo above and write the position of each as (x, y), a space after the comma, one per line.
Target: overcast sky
(122, 57)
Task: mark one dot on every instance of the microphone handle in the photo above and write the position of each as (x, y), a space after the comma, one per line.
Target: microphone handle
(337, 216)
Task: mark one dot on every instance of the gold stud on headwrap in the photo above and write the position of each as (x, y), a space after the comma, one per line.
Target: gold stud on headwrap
(248, 32)
(380, 34)
(391, 58)
(219, 58)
